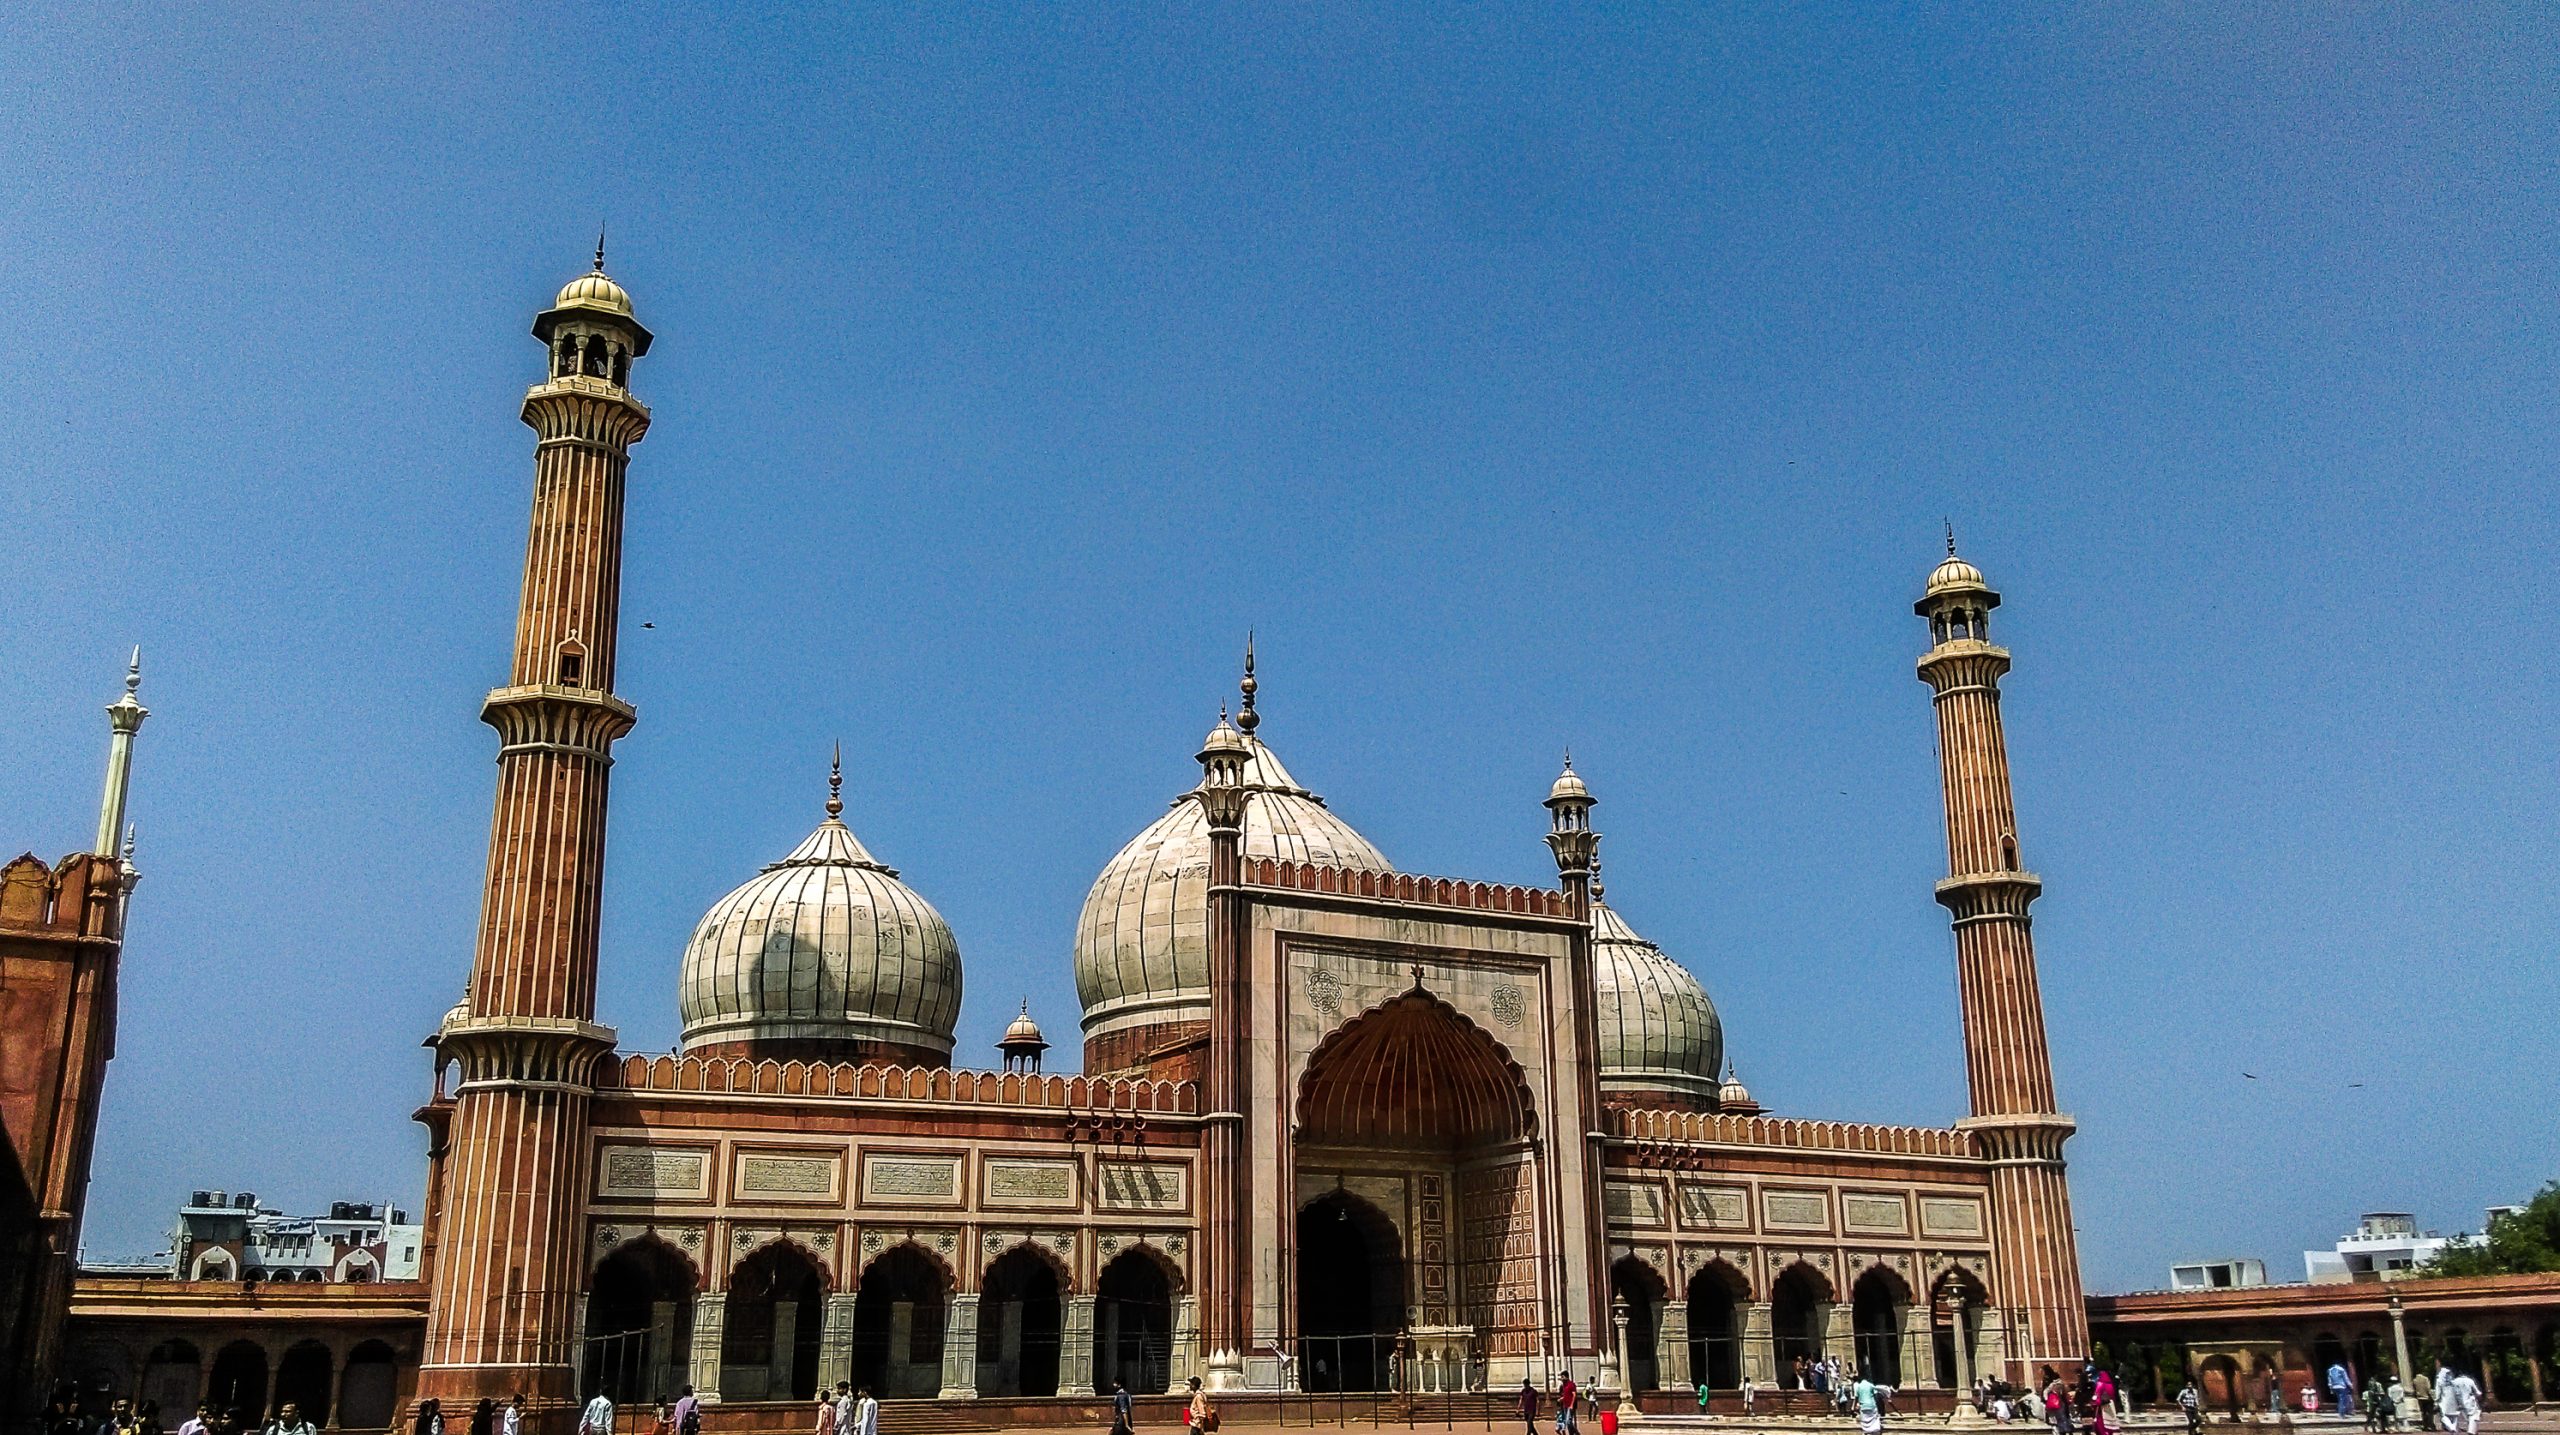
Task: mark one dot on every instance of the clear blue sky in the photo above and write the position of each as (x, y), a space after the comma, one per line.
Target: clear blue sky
(1525, 378)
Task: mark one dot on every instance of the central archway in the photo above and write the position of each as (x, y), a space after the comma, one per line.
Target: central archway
(1411, 1139)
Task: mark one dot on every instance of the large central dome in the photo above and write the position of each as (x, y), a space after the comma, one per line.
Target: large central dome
(1142, 944)
(827, 956)
(1659, 1034)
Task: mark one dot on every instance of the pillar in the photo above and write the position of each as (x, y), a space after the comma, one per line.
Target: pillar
(1075, 1349)
(1671, 1347)
(1183, 1362)
(666, 1363)
(710, 1326)
(508, 1259)
(835, 1339)
(1919, 1358)
(1225, 1171)
(1837, 1322)
(786, 1338)
(1961, 1338)
(2035, 1258)
(2400, 1339)
(1616, 1372)
(960, 1347)
(1759, 1352)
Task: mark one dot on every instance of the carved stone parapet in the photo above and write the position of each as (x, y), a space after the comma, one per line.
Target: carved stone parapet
(580, 409)
(1965, 665)
(525, 1052)
(544, 717)
(1989, 894)
(1574, 851)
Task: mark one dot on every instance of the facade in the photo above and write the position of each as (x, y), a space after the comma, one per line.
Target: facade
(2384, 1245)
(61, 934)
(1340, 1126)
(222, 1236)
(2235, 1274)
(343, 1352)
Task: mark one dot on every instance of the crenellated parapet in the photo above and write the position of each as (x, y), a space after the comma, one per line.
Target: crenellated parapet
(1405, 887)
(692, 1075)
(1703, 1128)
(76, 898)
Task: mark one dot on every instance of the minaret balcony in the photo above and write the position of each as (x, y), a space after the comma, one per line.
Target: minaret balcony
(1975, 896)
(545, 717)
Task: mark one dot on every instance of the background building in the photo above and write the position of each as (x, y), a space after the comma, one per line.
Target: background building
(223, 1236)
(2384, 1244)
(2234, 1274)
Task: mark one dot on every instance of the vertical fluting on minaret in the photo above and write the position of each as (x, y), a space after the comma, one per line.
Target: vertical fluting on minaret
(1226, 1176)
(2008, 1068)
(124, 719)
(507, 1275)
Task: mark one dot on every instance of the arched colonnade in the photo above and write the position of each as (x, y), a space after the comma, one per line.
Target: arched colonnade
(1713, 1328)
(910, 1326)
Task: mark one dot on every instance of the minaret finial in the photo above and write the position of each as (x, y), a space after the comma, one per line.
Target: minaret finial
(133, 672)
(1597, 891)
(1246, 718)
(1951, 536)
(835, 785)
(599, 248)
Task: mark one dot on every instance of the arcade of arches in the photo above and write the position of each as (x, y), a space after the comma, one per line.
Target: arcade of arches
(1415, 1254)
(1715, 1335)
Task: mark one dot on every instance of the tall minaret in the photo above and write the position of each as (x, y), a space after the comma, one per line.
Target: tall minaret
(2035, 1260)
(1226, 1168)
(1586, 1324)
(507, 1273)
(124, 719)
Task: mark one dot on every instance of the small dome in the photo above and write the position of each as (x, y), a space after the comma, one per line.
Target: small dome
(1142, 942)
(1658, 1030)
(1952, 574)
(1733, 1092)
(1569, 787)
(825, 954)
(594, 291)
(1023, 1032)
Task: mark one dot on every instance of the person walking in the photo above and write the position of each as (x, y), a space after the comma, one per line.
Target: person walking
(1528, 1405)
(2191, 1405)
(2459, 1399)
(1750, 1393)
(2057, 1403)
(289, 1421)
(845, 1412)
(2423, 1389)
(2102, 1403)
(866, 1414)
(1567, 1396)
(511, 1418)
(1702, 1397)
(430, 1419)
(597, 1418)
(484, 1417)
(687, 1414)
(825, 1422)
(1124, 1409)
(1869, 1398)
(2399, 1394)
(1200, 1417)
(2342, 1388)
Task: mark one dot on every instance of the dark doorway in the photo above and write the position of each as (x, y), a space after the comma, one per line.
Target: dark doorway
(1715, 1346)
(369, 1390)
(1634, 1285)
(1877, 1303)
(898, 1319)
(1018, 1326)
(172, 1375)
(302, 1378)
(239, 1381)
(1795, 1321)
(1133, 1325)
(769, 1346)
(639, 1325)
(1350, 1294)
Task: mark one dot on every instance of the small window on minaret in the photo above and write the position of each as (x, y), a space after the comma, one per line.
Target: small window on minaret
(573, 664)
(621, 367)
(2008, 853)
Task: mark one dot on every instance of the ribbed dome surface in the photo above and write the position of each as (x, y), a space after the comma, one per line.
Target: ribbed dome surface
(1953, 573)
(594, 291)
(1658, 1030)
(1141, 954)
(825, 945)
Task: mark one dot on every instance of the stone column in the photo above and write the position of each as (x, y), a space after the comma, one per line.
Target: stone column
(1671, 1347)
(1616, 1371)
(960, 1348)
(666, 1364)
(1991, 1341)
(1184, 1360)
(1075, 1348)
(786, 1338)
(2400, 1339)
(1919, 1360)
(1839, 1336)
(578, 1353)
(835, 1340)
(1962, 1340)
(710, 1323)
(1759, 1353)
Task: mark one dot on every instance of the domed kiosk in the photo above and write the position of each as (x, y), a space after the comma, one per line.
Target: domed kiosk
(823, 956)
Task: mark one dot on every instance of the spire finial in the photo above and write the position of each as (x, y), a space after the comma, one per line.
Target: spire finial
(1597, 891)
(1246, 718)
(128, 844)
(835, 785)
(1568, 759)
(1951, 536)
(133, 672)
(599, 248)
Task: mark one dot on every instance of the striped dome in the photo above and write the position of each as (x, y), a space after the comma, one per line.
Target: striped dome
(1142, 943)
(824, 946)
(1658, 1030)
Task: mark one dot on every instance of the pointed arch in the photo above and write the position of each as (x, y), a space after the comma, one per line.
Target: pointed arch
(1059, 1266)
(1413, 1071)
(799, 1241)
(644, 1236)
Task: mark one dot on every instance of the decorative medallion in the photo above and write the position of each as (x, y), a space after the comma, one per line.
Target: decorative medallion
(1324, 991)
(1510, 1005)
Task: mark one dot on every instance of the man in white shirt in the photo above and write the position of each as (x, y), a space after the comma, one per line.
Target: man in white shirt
(195, 1423)
(866, 1418)
(845, 1412)
(598, 1417)
(511, 1419)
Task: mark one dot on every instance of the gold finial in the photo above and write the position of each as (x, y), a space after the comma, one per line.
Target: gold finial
(1568, 759)
(1246, 718)
(835, 785)
(1597, 891)
(599, 249)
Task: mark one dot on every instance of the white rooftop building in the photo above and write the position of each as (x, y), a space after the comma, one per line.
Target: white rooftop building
(2384, 1246)
(227, 1236)
(2218, 1275)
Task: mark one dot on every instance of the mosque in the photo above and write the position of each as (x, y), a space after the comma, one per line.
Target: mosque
(1339, 1126)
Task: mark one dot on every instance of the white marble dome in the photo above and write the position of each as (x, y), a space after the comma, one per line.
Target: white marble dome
(824, 952)
(1142, 943)
(1658, 1030)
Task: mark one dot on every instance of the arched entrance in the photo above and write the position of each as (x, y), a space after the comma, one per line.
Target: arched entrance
(769, 1343)
(1798, 1303)
(1018, 1309)
(171, 1375)
(1878, 1304)
(239, 1380)
(899, 1311)
(639, 1324)
(1955, 1315)
(1133, 1325)
(1634, 1286)
(1411, 1143)
(369, 1388)
(1716, 1296)
(302, 1381)
(1350, 1293)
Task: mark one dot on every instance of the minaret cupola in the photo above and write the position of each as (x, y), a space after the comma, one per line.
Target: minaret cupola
(591, 330)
